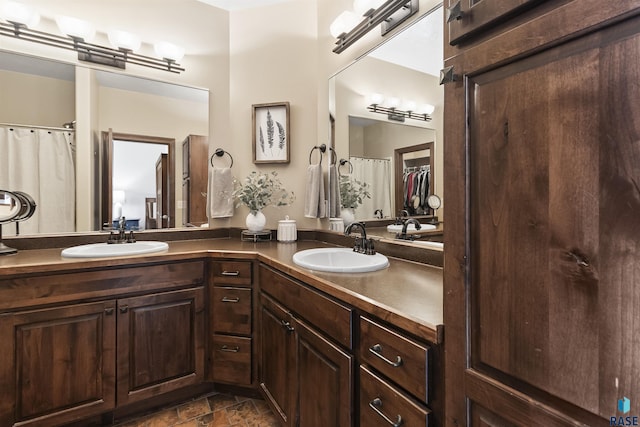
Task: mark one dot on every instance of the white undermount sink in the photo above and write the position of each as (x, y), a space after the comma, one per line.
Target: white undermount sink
(339, 260)
(102, 250)
(397, 228)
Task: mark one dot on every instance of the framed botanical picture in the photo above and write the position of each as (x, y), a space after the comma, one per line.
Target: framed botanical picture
(271, 133)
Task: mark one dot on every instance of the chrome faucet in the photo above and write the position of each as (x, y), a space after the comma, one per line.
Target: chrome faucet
(362, 244)
(402, 217)
(121, 237)
(403, 234)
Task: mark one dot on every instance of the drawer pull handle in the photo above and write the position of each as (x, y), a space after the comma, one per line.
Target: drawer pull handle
(233, 300)
(287, 326)
(377, 351)
(230, 273)
(230, 349)
(376, 404)
(124, 309)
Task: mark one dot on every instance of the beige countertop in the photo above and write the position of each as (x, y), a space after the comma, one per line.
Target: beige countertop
(407, 293)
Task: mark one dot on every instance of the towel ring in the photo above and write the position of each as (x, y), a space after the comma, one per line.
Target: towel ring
(322, 148)
(334, 156)
(344, 162)
(220, 152)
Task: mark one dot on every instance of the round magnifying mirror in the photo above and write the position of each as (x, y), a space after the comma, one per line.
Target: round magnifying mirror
(10, 206)
(28, 206)
(434, 202)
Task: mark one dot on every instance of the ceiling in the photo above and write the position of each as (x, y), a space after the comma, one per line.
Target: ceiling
(240, 4)
(418, 47)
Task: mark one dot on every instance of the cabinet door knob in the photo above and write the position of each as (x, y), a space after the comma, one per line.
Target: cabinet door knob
(229, 349)
(108, 311)
(454, 13)
(233, 300)
(447, 75)
(377, 351)
(124, 309)
(376, 404)
(230, 273)
(287, 326)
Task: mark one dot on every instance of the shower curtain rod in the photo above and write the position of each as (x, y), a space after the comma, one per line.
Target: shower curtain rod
(369, 158)
(37, 127)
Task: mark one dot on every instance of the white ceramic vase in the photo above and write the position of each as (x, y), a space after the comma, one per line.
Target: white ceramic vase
(256, 221)
(348, 216)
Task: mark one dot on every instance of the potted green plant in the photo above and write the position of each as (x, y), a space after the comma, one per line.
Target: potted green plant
(257, 191)
(352, 193)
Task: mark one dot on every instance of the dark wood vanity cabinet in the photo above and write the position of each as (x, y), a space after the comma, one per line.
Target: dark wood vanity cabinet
(304, 372)
(57, 364)
(231, 328)
(63, 360)
(395, 378)
(160, 343)
(541, 147)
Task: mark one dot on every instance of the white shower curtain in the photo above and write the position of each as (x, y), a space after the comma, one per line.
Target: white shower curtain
(40, 162)
(376, 173)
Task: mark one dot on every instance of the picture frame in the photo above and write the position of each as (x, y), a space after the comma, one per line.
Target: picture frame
(270, 135)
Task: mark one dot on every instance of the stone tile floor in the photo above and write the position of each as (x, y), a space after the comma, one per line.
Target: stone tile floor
(215, 410)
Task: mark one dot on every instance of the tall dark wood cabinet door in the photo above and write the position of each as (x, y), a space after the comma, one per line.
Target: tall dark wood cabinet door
(277, 362)
(541, 293)
(160, 343)
(325, 381)
(61, 364)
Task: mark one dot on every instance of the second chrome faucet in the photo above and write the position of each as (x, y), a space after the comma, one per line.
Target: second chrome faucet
(362, 244)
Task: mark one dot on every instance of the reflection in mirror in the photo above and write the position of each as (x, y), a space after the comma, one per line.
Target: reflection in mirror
(41, 94)
(383, 150)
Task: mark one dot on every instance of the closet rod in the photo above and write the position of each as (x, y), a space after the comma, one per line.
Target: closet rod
(36, 127)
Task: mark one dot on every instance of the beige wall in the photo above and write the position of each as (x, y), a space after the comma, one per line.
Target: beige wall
(36, 100)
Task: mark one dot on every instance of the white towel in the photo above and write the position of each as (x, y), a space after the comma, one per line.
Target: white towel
(220, 193)
(334, 192)
(314, 195)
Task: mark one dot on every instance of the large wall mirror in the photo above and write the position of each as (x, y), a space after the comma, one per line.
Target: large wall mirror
(379, 150)
(52, 163)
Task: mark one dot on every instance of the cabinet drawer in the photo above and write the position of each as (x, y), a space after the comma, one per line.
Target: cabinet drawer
(382, 405)
(231, 310)
(331, 317)
(231, 359)
(237, 273)
(402, 359)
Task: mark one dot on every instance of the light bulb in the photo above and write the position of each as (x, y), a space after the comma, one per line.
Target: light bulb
(343, 23)
(124, 40)
(428, 109)
(74, 27)
(394, 102)
(169, 51)
(19, 13)
(409, 105)
(377, 98)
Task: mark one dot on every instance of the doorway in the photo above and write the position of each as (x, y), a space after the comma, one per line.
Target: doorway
(129, 181)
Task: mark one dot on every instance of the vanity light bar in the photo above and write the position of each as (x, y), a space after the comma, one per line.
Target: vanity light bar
(89, 52)
(398, 115)
(391, 14)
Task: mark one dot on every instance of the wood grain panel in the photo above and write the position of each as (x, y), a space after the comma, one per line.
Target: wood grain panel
(325, 380)
(231, 359)
(231, 310)
(333, 318)
(64, 363)
(161, 343)
(27, 291)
